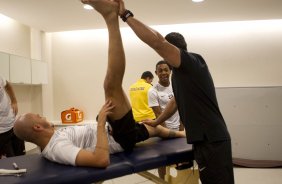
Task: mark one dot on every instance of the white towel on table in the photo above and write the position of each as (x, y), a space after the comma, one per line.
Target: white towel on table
(12, 172)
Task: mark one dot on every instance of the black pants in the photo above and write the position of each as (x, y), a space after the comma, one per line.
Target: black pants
(215, 162)
(11, 145)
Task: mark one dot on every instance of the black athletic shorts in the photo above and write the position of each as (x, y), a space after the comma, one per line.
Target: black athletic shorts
(127, 132)
(214, 162)
(11, 145)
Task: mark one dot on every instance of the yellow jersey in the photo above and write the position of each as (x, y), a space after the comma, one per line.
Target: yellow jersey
(138, 93)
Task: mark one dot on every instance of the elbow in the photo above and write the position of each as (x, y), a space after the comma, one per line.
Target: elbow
(157, 42)
(104, 162)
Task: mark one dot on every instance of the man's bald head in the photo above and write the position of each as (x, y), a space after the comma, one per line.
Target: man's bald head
(24, 126)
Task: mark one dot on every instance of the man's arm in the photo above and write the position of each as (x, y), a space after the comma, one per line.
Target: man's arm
(153, 102)
(169, 110)
(154, 39)
(100, 157)
(12, 96)
(158, 111)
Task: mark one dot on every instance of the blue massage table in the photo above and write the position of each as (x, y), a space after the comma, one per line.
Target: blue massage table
(150, 154)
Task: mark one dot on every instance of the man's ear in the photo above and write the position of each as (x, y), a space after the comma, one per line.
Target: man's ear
(148, 79)
(37, 127)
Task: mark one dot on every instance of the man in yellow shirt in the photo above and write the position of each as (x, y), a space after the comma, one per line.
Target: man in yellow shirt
(138, 93)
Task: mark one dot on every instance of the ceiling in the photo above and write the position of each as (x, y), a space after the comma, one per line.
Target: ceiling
(65, 15)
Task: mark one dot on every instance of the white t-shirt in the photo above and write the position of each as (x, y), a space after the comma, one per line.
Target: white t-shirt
(66, 142)
(7, 116)
(159, 95)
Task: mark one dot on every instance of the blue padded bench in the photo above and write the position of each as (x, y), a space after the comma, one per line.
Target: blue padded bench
(150, 154)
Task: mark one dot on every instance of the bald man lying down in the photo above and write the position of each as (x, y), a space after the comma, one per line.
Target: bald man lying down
(88, 145)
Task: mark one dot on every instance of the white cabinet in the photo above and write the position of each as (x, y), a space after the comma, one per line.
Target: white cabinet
(20, 70)
(4, 66)
(39, 72)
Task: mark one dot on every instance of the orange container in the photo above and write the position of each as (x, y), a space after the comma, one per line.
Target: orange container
(72, 115)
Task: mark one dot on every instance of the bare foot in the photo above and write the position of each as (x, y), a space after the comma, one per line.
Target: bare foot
(182, 133)
(104, 7)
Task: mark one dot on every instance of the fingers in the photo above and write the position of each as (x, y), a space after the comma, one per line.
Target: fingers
(15, 109)
(105, 111)
(121, 6)
(149, 122)
(107, 108)
(109, 105)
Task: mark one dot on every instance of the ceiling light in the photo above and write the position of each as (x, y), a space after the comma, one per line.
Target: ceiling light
(87, 7)
(5, 19)
(197, 1)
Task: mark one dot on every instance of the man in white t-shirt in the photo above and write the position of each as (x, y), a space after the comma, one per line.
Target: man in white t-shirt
(158, 97)
(10, 145)
(161, 93)
(89, 145)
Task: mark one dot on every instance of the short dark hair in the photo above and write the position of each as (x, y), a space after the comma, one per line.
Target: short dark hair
(163, 62)
(147, 74)
(177, 40)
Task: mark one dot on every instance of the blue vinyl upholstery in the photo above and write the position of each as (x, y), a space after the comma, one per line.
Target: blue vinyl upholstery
(151, 154)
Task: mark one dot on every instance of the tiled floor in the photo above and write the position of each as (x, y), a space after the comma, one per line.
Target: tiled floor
(242, 176)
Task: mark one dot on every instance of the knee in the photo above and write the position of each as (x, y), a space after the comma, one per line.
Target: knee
(108, 86)
(153, 131)
(158, 130)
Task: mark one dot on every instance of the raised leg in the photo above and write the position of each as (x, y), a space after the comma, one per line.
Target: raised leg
(116, 58)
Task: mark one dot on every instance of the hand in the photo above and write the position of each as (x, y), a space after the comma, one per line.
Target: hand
(152, 123)
(104, 7)
(105, 111)
(121, 7)
(15, 108)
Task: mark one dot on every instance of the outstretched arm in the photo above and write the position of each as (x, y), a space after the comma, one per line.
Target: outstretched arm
(163, 132)
(154, 39)
(100, 157)
(158, 111)
(12, 96)
(169, 110)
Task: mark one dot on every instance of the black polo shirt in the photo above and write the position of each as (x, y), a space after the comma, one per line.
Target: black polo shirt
(195, 96)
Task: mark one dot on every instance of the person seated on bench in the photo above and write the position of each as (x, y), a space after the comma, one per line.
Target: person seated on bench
(91, 145)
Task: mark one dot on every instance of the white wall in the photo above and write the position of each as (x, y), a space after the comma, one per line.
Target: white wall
(238, 54)
(15, 37)
(79, 67)
(18, 39)
(254, 119)
(47, 90)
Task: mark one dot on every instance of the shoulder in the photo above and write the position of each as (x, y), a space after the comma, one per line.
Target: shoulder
(152, 91)
(190, 60)
(60, 148)
(147, 86)
(155, 88)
